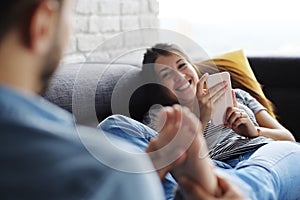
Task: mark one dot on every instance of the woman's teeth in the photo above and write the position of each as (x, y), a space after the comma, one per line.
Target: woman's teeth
(183, 87)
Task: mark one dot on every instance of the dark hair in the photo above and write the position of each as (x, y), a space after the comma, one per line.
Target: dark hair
(148, 95)
(18, 14)
(163, 49)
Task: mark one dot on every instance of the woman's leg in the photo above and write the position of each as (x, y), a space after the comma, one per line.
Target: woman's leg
(221, 164)
(234, 161)
(272, 172)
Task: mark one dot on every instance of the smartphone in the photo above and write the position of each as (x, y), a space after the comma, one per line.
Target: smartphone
(218, 117)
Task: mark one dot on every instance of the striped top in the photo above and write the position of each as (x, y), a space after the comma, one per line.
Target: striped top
(223, 143)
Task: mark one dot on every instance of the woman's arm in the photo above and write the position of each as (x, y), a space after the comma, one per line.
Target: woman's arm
(271, 128)
(241, 123)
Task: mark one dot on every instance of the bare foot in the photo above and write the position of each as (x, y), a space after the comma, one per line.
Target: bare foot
(181, 148)
(166, 151)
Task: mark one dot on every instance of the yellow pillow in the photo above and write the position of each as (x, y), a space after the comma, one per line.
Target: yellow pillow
(242, 76)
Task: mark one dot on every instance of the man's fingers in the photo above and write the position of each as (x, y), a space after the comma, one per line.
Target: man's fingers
(192, 191)
(229, 190)
(182, 155)
(223, 183)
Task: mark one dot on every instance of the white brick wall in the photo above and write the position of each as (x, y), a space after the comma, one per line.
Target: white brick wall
(96, 21)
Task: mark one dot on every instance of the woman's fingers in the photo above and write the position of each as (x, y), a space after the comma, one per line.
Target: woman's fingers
(234, 98)
(208, 98)
(238, 122)
(235, 117)
(200, 85)
(217, 92)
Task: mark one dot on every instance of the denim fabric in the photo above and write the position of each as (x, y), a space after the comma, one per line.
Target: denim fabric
(271, 172)
(139, 135)
(221, 164)
(234, 161)
(42, 156)
(231, 163)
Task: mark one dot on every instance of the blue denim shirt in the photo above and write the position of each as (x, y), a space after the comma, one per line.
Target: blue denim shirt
(43, 157)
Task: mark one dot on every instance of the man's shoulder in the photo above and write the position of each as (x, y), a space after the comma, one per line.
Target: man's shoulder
(45, 164)
(26, 140)
(51, 166)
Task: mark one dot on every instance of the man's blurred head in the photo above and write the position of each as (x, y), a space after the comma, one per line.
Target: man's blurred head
(41, 29)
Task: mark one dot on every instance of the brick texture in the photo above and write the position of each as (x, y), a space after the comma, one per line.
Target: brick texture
(97, 24)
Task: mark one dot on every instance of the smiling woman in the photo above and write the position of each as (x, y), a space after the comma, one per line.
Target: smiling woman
(247, 124)
(259, 27)
(184, 88)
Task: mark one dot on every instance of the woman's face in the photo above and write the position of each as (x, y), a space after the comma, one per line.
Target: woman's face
(177, 74)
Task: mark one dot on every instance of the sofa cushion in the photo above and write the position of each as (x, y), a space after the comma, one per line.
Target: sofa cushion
(85, 89)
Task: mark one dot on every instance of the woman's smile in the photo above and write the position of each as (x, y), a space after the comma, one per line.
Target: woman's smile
(177, 74)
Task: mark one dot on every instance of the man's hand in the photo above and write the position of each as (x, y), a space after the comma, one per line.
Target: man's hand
(193, 191)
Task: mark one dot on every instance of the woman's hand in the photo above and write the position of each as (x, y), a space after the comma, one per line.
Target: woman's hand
(238, 120)
(208, 98)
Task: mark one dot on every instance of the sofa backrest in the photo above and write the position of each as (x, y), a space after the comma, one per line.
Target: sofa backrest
(85, 89)
(280, 79)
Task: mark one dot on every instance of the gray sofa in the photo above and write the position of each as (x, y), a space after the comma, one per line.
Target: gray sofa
(92, 91)
(85, 89)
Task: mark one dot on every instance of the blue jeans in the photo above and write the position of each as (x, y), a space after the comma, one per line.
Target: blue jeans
(271, 172)
(231, 163)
